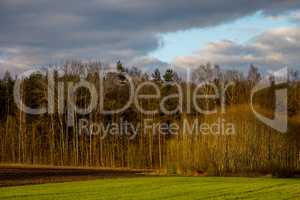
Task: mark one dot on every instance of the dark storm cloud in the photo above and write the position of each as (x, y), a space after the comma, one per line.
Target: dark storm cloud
(42, 30)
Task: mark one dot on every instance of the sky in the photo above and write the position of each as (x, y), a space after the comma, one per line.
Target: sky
(150, 34)
(239, 31)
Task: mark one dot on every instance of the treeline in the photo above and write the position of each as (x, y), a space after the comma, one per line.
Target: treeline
(48, 139)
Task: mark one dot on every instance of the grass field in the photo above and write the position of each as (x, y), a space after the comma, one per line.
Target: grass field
(160, 188)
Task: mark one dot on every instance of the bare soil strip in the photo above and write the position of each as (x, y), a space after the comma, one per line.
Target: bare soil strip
(27, 175)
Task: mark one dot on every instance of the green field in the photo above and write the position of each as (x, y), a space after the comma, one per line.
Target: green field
(160, 188)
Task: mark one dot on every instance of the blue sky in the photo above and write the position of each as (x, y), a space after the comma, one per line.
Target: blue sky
(239, 31)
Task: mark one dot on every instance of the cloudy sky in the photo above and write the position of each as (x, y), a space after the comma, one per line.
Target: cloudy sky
(147, 33)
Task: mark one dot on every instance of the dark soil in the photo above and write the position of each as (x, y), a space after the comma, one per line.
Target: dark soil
(16, 176)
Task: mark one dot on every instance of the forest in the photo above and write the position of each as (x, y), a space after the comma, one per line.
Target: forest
(53, 138)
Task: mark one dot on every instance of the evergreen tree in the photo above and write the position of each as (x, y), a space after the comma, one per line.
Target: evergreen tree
(120, 67)
(169, 75)
(156, 75)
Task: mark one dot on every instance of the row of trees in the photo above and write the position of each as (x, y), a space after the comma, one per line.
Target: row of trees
(47, 139)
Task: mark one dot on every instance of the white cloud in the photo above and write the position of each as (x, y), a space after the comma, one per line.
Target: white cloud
(272, 49)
